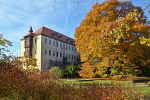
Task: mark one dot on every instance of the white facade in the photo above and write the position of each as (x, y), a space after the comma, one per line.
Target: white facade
(50, 48)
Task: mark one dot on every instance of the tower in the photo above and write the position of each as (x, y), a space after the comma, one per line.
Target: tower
(29, 42)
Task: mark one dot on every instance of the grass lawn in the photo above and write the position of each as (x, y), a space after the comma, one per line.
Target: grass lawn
(79, 81)
(144, 90)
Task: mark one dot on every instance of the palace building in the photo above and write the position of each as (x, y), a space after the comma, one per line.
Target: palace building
(49, 47)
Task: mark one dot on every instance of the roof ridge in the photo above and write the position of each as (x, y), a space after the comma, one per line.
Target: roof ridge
(58, 32)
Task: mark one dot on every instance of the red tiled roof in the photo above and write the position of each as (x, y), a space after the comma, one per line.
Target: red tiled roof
(49, 32)
(31, 34)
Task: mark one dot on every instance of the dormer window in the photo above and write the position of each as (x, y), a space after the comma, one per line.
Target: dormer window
(68, 40)
(60, 37)
(55, 35)
(73, 42)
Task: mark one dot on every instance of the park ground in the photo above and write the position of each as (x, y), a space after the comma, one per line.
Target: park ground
(127, 82)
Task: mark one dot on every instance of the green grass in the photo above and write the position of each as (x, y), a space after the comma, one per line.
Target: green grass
(76, 81)
(143, 90)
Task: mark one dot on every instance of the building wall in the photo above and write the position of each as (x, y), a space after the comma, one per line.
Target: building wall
(22, 47)
(48, 60)
(37, 48)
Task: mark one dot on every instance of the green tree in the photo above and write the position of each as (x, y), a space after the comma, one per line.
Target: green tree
(4, 43)
(72, 70)
(108, 37)
(56, 71)
(5, 60)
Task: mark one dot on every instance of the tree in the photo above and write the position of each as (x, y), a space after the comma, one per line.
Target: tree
(5, 60)
(108, 40)
(4, 43)
(72, 70)
(56, 71)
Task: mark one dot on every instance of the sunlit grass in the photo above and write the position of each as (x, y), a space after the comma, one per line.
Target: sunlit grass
(77, 81)
(144, 90)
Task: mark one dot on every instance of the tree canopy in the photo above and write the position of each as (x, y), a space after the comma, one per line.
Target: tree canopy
(108, 40)
(4, 44)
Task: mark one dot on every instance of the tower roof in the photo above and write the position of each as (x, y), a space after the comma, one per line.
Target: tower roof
(30, 29)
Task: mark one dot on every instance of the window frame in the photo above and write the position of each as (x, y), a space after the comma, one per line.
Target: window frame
(49, 42)
(45, 40)
(45, 52)
(35, 40)
(60, 45)
(57, 44)
(53, 43)
(49, 52)
(35, 51)
(53, 53)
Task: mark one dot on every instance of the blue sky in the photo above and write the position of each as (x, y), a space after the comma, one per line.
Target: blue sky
(62, 16)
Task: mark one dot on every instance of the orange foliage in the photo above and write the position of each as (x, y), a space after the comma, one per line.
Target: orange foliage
(109, 37)
(39, 86)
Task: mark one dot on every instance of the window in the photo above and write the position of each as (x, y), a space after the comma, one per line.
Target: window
(26, 41)
(55, 35)
(49, 42)
(53, 53)
(72, 56)
(49, 52)
(72, 48)
(66, 46)
(46, 40)
(57, 44)
(69, 47)
(60, 37)
(35, 40)
(60, 54)
(73, 42)
(60, 45)
(53, 43)
(57, 54)
(35, 51)
(68, 40)
(69, 57)
(45, 51)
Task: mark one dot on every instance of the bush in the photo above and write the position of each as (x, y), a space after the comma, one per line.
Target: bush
(72, 70)
(56, 71)
(39, 86)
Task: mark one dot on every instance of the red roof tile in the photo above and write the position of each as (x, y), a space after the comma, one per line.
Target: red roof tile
(31, 34)
(49, 32)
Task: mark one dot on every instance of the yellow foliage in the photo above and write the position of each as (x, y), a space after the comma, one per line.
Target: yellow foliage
(112, 35)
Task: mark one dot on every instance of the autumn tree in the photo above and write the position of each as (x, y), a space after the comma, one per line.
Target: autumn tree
(4, 43)
(5, 60)
(108, 40)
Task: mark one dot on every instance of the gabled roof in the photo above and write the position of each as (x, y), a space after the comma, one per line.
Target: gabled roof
(49, 32)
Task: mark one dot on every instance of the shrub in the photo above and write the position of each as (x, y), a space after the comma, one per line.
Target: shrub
(72, 70)
(39, 86)
(56, 71)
